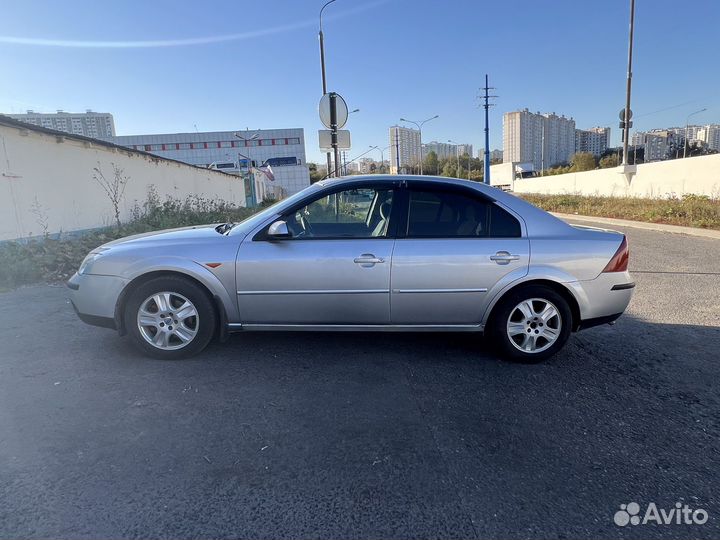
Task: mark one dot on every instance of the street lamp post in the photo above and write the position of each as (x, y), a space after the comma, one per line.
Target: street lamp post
(687, 125)
(457, 154)
(382, 155)
(419, 126)
(628, 88)
(253, 137)
(322, 68)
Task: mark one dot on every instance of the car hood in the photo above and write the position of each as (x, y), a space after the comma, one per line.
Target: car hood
(181, 235)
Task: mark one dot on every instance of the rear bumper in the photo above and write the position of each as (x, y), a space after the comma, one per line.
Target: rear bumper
(604, 297)
(589, 323)
(94, 298)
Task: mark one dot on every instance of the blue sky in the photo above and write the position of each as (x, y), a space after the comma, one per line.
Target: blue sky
(393, 58)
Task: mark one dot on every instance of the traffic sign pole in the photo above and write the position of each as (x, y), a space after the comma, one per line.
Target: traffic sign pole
(333, 114)
(333, 132)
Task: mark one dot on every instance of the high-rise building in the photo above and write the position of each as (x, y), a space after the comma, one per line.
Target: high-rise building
(465, 149)
(710, 136)
(544, 140)
(443, 150)
(659, 143)
(595, 140)
(233, 152)
(681, 132)
(638, 139)
(404, 149)
(89, 123)
(365, 165)
(495, 155)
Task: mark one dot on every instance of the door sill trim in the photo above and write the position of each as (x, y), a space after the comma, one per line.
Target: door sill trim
(422, 291)
(238, 327)
(318, 291)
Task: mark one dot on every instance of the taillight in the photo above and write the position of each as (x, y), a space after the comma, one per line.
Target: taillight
(619, 262)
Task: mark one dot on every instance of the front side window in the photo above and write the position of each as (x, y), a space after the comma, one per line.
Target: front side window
(449, 214)
(352, 213)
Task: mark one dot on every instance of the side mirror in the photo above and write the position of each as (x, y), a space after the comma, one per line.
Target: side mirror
(278, 230)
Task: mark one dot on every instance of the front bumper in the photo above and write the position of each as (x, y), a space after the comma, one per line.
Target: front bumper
(94, 297)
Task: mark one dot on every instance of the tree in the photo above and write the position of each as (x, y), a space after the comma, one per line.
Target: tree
(608, 161)
(582, 161)
(557, 169)
(431, 163)
(697, 148)
(450, 168)
(315, 174)
(477, 175)
(114, 187)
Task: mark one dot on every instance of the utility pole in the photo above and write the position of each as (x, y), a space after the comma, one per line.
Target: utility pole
(486, 106)
(626, 120)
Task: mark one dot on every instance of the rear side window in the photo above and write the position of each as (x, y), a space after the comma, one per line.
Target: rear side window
(502, 224)
(439, 214)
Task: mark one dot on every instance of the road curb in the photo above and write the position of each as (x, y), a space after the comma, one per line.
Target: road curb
(659, 227)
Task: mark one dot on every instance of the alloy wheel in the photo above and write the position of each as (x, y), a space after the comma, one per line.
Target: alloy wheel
(534, 325)
(168, 320)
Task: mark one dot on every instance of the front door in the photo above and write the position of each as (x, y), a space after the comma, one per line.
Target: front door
(334, 269)
(453, 247)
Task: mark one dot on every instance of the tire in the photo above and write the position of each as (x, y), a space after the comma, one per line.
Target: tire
(524, 330)
(177, 320)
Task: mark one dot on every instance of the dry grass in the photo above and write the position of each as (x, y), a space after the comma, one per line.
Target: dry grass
(690, 210)
(50, 259)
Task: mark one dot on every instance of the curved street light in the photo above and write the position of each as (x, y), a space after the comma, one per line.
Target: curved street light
(687, 123)
(419, 126)
(253, 137)
(457, 153)
(382, 155)
(322, 70)
(322, 47)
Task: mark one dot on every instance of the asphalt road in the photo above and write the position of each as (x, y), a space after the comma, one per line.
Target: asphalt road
(368, 436)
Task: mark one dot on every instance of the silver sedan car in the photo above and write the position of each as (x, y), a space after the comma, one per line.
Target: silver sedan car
(367, 253)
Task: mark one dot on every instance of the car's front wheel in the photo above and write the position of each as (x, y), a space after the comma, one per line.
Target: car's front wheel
(170, 317)
(530, 324)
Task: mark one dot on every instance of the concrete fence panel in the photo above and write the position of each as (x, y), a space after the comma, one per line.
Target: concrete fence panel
(697, 175)
(49, 178)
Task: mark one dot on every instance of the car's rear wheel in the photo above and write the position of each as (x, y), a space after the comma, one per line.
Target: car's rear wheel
(530, 324)
(170, 317)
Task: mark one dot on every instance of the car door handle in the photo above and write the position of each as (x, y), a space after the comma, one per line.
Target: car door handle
(368, 259)
(504, 257)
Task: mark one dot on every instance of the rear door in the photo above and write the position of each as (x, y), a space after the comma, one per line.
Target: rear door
(453, 245)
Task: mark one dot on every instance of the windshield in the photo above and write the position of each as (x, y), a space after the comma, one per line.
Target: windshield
(277, 208)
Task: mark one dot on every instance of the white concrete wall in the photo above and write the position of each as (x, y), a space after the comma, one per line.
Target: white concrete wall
(58, 173)
(677, 177)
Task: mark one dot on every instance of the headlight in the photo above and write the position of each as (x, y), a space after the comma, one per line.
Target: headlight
(87, 261)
